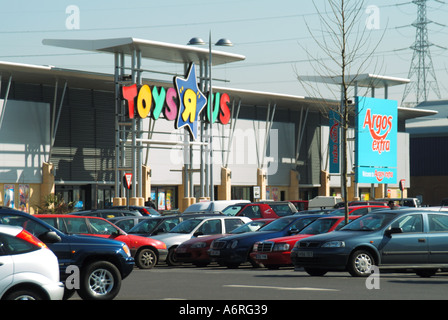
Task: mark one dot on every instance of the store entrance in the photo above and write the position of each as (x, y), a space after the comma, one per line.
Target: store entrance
(87, 197)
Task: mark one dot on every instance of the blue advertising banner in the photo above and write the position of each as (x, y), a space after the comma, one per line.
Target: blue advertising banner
(333, 144)
(376, 140)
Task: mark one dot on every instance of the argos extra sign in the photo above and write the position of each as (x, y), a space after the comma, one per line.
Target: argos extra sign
(376, 140)
(183, 104)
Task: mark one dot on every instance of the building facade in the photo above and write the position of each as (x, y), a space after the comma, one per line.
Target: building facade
(69, 132)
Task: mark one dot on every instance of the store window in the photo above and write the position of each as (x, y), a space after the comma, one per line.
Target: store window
(242, 193)
(164, 198)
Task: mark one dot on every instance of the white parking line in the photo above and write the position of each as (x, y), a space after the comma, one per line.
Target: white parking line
(279, 288)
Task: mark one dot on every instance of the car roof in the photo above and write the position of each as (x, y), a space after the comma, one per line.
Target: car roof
(11, 230)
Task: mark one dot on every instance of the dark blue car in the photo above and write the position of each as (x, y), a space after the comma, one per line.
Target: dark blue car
(231, 251)
(395, 239)
(102, 263)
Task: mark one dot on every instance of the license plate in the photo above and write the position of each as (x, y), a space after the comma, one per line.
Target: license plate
(214, 252)
(261, 256)
(305, 254)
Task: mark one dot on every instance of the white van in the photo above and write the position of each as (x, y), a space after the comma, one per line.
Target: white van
(212, 206)
(323, 202)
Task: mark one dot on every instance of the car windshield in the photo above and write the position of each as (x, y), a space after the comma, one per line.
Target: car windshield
(145, 226)
(284, 209)
(278, 224)
(319, 226)
(370, 222)
(233, 209)
(102, 227)
(186, 226)
(249, 227)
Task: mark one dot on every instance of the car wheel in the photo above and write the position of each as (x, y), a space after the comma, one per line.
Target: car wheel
(425, 273)
(171, 258)
(315, 272)
(360, 263)
(100, 281)
(24, 295)
(146, 259)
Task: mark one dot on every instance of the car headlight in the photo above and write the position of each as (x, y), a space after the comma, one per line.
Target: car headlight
(126, 249)
(233, 244)
(198, 245)
(281, 247)
(334, 244)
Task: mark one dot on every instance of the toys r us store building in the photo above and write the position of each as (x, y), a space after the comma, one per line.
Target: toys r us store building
(78, 133)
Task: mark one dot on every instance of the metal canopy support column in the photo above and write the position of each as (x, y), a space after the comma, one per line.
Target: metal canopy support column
(5, 101)
(300, 132)
(55, 118)
(232, 131)
(268, 131)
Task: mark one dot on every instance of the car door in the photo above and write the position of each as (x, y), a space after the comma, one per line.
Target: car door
(6, 266)
(438, 238)
(211, 226)
(408, 247)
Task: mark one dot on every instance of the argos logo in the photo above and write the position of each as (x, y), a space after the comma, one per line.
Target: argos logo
(379, 127)
(376, 140)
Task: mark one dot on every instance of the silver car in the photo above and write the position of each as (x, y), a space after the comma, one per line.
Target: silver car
(196, 227)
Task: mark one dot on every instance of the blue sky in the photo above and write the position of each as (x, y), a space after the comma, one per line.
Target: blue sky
(271, 34)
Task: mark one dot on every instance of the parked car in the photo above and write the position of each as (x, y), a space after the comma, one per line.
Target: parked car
(146, 251)
(399, 239)
(211, 206)
(276, 252)
(151, 226)
(361, 203)
(233, 209)
(405, 202)
(126, 223)
(145, 211)
(231, 251)
(359, 210)
(28, 269)
(102, 263)
(197, 227)
(108, 213)
(300, 205)
(267, 210)
(314, 211)
(195, 250)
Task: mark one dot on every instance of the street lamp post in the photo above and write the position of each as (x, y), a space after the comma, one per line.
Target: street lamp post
(221, 42)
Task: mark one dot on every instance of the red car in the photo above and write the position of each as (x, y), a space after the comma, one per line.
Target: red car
(275, 253)
(195, 250)
(267, 210)
(146, 251)
(359, 210)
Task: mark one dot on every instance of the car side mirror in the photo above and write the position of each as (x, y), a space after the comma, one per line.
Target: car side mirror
(49, 237)
(197, 234)
(391, 231)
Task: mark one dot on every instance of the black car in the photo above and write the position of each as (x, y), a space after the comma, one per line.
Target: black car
(102, 263)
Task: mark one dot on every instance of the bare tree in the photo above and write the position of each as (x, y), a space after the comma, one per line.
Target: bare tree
(345, 52)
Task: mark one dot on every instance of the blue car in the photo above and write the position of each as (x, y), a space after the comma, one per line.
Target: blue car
(231, 251)
(396, 239)
(102, 263)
